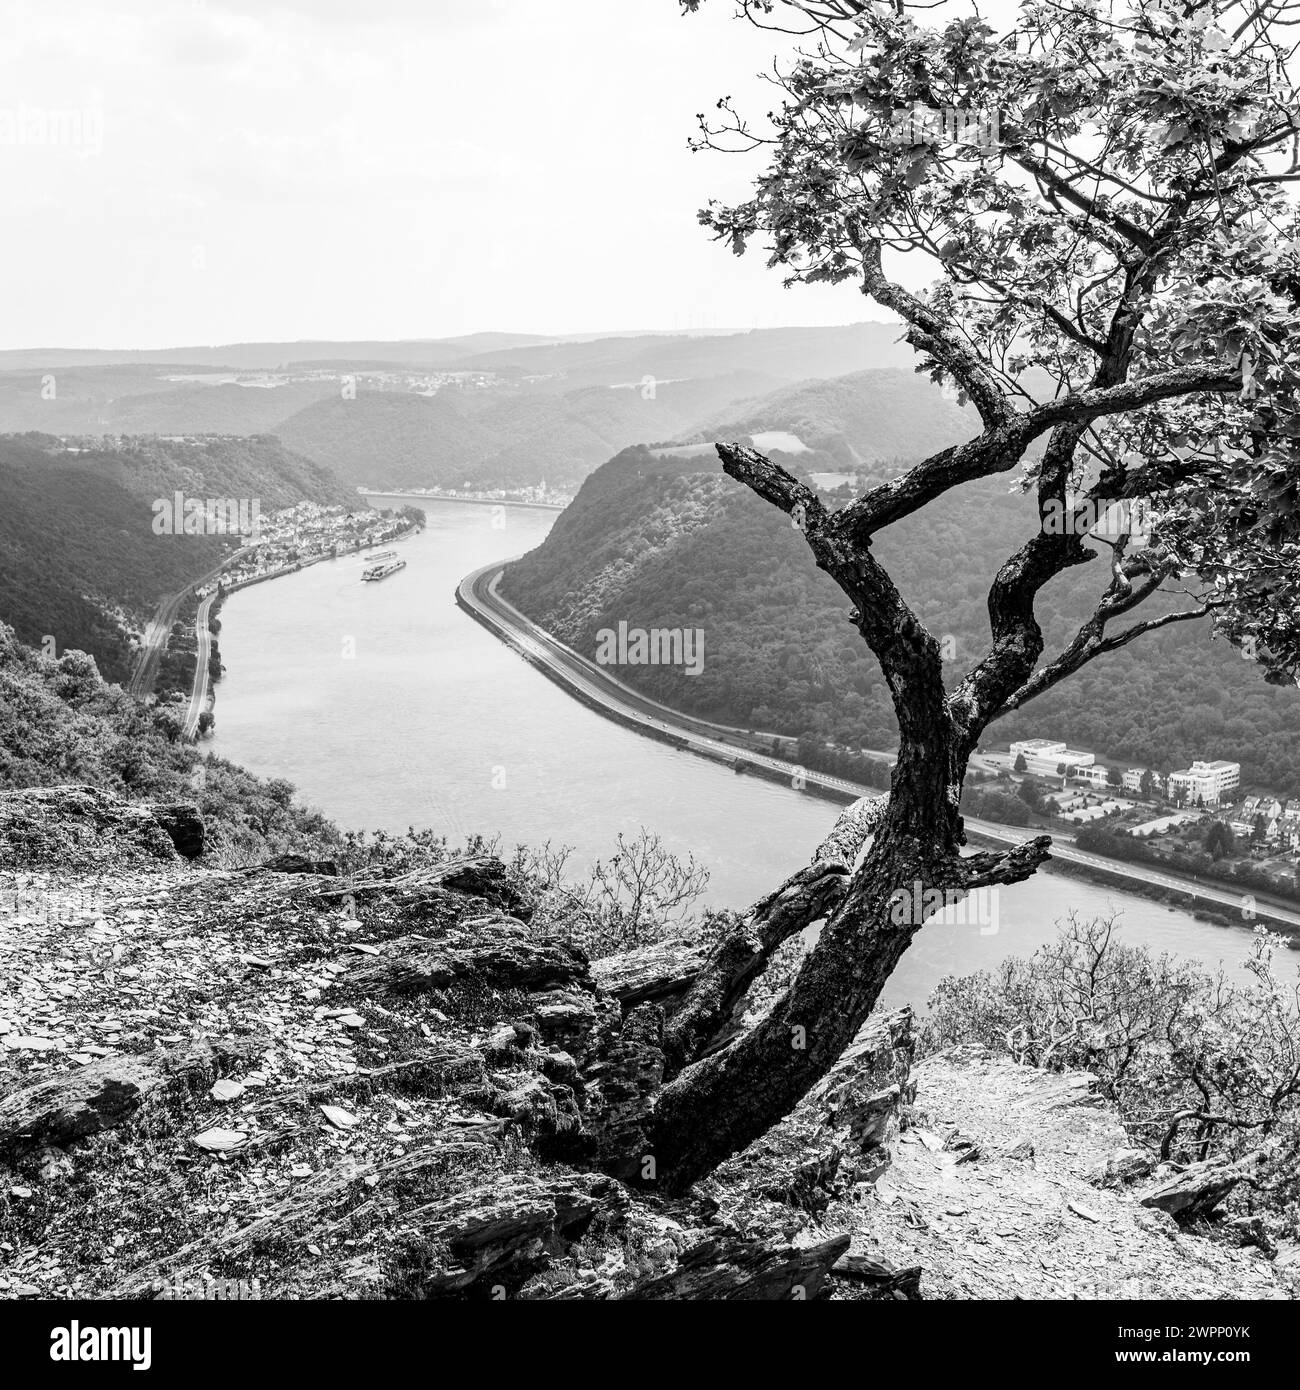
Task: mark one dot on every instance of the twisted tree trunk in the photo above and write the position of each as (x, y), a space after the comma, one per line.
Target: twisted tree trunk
(718, 1105)
(723, 1092)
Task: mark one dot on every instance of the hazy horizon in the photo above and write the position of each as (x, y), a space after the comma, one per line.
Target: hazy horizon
(224, 171)
(540, 336)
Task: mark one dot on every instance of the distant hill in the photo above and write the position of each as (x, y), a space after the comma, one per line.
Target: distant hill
(134, 400)
(417, 351)
(650, 391)
(497, 409)
(788, 354)
(218, 466)
(859, 421)
(500, 438)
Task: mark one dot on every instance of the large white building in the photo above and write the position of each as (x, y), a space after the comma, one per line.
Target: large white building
(1205, 783)
(1045, 758)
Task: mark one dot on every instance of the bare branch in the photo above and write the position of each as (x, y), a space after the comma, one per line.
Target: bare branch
(933, 335)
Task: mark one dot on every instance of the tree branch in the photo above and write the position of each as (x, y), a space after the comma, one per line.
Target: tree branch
(741, 957)
(933, 335)
(1000, 449)
(1086, 647)
(992, 867)
(906, 649)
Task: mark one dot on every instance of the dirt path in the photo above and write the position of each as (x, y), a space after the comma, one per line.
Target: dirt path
(998, 1226)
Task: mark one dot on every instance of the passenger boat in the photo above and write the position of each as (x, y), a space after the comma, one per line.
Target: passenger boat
(384, 570)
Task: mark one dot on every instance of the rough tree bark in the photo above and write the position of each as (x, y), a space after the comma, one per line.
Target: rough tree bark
(804, 898)
(714, 1106)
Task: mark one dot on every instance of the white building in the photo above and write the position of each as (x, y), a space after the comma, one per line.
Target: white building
(1205, 783)
(1160, 825)
(1045, 758)
(1091, 775)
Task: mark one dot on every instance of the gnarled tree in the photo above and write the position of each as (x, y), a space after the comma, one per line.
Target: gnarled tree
(1103, 194)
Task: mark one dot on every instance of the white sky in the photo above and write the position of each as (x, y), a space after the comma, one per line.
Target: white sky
(286, 169)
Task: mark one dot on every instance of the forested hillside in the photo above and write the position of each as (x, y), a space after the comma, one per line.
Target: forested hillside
(78, 553)
(258, 466)
(74, 547)
(140, 400)
(665, 542)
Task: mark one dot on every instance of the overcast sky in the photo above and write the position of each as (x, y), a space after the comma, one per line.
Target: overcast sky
(254, 169)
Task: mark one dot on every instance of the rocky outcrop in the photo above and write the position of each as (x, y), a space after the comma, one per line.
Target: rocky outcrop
(1197, 1189)
(78, 827)
(734, 1267)
(184, 826)
(494, 1238)
(99, 1096)
(424, 891)
(106, 1094)
(1124, 1166)
(624, 1079)
(423, 1096)
(657, 973)
(882, 1278)
(865, 1090)
(501, 955)
(297, 864)
(840, 1133)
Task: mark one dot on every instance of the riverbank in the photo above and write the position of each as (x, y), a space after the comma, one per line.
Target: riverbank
(203, 693)
(451, 497)
(476, 595)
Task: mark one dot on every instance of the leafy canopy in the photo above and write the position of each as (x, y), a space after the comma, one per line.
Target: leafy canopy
(1120, 213)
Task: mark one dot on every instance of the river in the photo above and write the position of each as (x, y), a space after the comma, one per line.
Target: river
(387, 706)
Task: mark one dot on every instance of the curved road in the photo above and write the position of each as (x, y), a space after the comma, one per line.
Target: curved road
(199, 692)
(477, 594)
